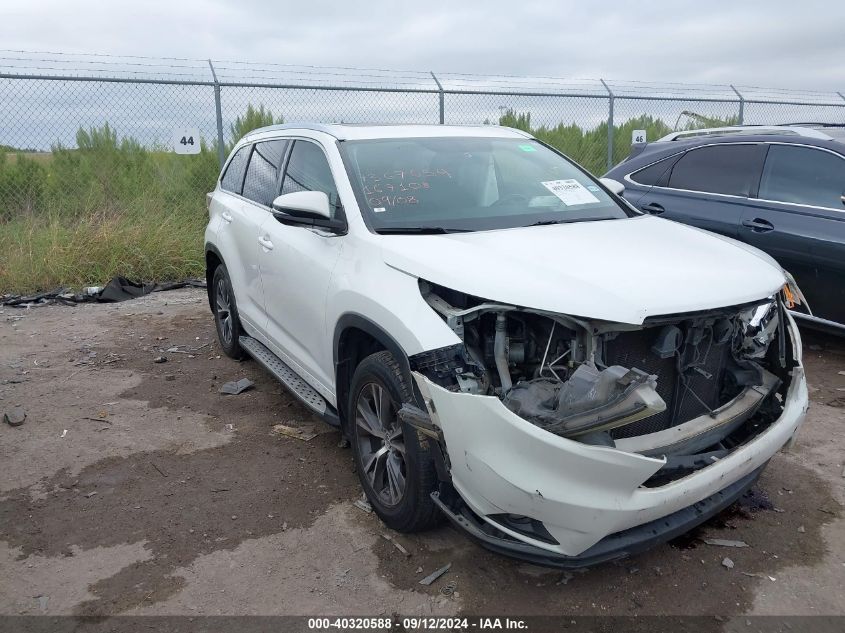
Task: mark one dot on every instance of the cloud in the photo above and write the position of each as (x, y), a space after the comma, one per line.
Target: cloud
(776, 43)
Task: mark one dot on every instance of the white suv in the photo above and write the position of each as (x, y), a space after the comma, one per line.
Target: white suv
(502, 338)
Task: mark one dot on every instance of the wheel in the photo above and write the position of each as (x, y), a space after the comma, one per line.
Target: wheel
(392, 459)
(226, 314)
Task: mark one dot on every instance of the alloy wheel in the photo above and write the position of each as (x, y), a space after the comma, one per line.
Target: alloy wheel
(224, 311)
(381, 443)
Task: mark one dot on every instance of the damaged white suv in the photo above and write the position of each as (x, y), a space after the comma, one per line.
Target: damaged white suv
(501, 338)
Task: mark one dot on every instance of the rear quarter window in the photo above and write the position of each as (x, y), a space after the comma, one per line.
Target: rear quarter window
(233, 177)
(656, 174)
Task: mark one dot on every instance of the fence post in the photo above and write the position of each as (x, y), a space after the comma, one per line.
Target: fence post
(610, 126)
(440, 94)
(221, 151)
(741, 105)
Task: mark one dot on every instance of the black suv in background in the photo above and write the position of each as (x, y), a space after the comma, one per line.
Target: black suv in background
(781, 189)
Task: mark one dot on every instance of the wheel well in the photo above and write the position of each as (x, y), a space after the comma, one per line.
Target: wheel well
(212, 261)
(353, 346)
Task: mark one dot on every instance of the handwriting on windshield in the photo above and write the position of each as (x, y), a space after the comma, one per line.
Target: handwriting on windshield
(399, 186)
(391, 201)
(401, 174)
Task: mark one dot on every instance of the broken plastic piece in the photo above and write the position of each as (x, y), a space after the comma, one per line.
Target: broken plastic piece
(363, 504)
(725, 542)
(435, 574)
(236, 387)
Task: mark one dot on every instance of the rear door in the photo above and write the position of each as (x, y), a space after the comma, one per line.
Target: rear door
(706, 187)
(798, 217)
(247, 212)
(236, 235)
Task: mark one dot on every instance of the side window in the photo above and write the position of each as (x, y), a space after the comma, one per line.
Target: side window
(234, 176)
(803, 175)
(308, 170)
(260, 184)
(657, 174)
(730, 169)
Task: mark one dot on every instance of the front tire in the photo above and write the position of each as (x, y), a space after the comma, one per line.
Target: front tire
(226, 314)
(392, 459)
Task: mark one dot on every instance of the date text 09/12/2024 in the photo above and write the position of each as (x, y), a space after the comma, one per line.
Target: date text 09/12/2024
(417, 623)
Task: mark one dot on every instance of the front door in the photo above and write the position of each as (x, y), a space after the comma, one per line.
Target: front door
(708, 187)
(296, 267)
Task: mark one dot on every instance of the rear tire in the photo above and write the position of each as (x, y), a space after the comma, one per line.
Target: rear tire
(226, 314)
(392, 458)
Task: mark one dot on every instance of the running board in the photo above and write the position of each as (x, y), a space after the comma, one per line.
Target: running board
(285, 375)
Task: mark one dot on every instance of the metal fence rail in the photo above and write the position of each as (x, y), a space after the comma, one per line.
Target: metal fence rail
(73, 126)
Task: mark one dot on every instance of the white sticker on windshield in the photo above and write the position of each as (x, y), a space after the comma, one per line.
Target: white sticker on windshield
(570, 192)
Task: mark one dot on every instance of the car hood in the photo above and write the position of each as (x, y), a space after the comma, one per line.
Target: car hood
(615, 270)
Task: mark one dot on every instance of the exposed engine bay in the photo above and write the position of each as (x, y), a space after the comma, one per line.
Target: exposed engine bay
(690, 386)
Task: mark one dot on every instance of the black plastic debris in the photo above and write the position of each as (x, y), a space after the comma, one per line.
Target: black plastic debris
(435, 574)
(236, 387)
(118, 289)
(15, 417)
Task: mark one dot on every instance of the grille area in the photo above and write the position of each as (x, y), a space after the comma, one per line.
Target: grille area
(633, 350)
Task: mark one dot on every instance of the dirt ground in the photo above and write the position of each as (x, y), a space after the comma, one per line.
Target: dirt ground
(134, 487)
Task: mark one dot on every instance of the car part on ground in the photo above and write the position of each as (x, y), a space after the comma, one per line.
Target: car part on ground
(117, 289)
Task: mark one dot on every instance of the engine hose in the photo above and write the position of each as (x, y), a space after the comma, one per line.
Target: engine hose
(500, 353)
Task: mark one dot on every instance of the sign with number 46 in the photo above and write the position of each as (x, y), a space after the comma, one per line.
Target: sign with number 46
(186, 140)
(638, 136)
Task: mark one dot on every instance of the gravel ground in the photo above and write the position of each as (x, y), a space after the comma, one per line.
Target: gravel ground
(134, 487)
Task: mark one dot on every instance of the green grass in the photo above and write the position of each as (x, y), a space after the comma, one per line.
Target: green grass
(110, 206)
(148, 242)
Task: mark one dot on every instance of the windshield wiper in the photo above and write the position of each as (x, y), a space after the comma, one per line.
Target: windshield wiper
(547, 222)
(418, 230)
(575, 221)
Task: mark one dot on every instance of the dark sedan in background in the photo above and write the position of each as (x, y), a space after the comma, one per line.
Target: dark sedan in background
(781, 189)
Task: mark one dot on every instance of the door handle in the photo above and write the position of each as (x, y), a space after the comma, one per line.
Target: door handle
(265, 243)
(653, 208)
(759, 225)
(227, 217)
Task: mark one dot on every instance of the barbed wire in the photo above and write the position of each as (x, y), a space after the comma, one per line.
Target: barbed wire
(128, 67)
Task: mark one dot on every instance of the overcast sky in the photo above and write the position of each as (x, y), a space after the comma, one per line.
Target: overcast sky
(773, 43)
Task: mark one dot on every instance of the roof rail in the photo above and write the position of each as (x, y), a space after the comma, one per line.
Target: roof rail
(747, 130)
(316, 127)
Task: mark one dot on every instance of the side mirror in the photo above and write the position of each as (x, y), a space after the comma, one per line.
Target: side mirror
(614, 185)
(313, 204)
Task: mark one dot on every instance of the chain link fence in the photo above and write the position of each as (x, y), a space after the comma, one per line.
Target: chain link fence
(91, 141)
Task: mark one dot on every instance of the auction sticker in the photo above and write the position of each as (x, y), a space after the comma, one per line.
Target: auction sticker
(570, 192)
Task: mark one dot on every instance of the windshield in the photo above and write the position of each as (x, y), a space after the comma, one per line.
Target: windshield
(470, 184)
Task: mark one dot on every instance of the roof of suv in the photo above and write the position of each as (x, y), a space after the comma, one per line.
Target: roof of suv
(346, 131)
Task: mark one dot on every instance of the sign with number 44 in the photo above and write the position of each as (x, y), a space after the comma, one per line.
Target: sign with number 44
(186, 140)
(638, 136)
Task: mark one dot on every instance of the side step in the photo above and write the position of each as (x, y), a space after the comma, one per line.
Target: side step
(287, 376)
